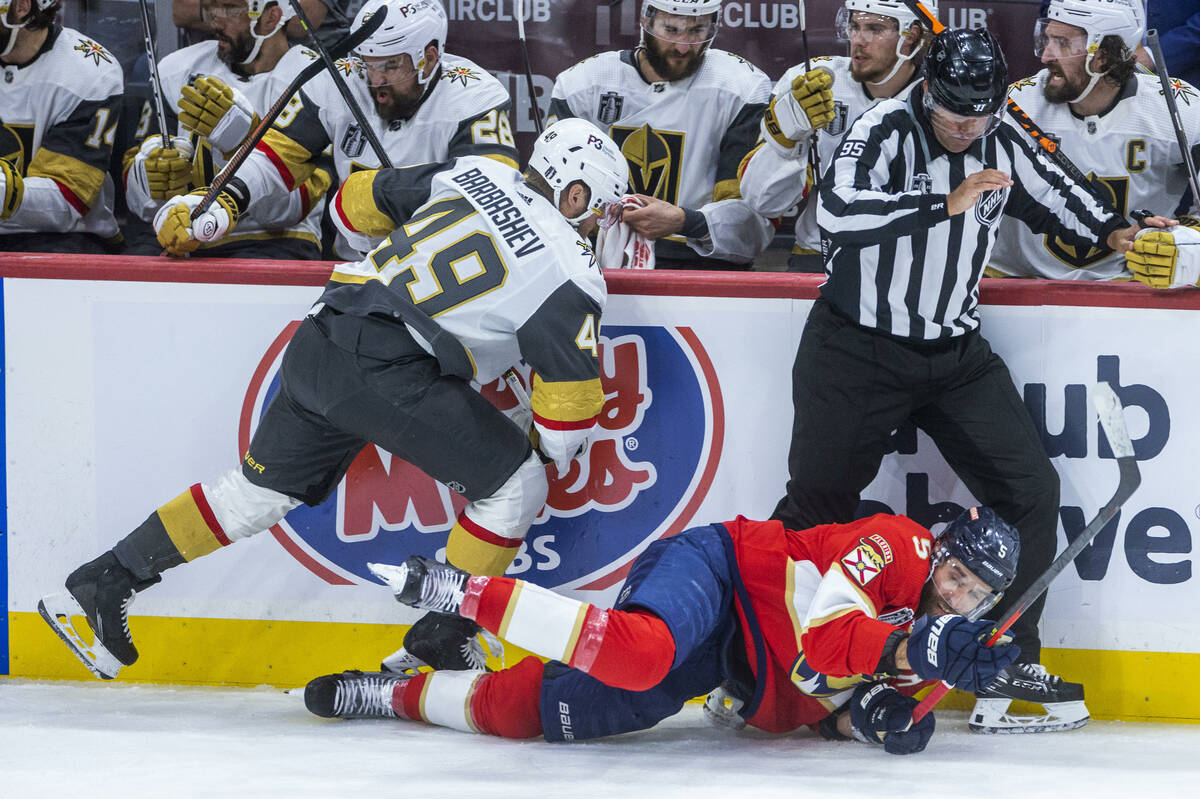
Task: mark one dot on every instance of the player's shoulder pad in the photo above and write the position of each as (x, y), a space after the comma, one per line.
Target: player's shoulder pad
(87, 68)
(733, 73)
(296, 59)
(471, 88)
(1187, 98)
(580, 70)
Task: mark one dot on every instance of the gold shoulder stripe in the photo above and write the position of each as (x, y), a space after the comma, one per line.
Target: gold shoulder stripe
(81, 178)
(356, 205)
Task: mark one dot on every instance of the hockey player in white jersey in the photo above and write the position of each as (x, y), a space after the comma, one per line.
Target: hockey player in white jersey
(59, 105)
(213, 92)
(424, 105)
(685, 115)
(1111, 120)
(386, 356)
(885, 42)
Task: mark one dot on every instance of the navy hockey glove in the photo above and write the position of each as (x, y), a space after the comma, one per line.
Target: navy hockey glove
(950, 648)
(879, 714)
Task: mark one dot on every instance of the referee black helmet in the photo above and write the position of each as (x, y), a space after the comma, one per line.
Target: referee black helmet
(966, 72)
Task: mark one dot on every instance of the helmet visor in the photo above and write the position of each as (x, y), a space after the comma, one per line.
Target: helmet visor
(1058, 39)
(678, 28)
(863, 26)
(960, 588)
(394, 70)
(223, 10)
(952, 126)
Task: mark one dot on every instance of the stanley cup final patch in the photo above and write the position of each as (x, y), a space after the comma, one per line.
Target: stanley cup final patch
(863, 563)
(610, 108)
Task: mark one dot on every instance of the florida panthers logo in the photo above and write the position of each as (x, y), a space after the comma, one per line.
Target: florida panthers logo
(651, 462)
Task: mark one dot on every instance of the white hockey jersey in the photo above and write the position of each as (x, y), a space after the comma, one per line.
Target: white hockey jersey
(496, 265)
(58, 116)
(684, 140)
(1131, 150)
(296, 214)
(465, 113)
(773, 181)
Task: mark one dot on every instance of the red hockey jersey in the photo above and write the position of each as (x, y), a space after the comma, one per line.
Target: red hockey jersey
(817, 605)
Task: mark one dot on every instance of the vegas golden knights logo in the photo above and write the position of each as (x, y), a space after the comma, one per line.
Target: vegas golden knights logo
(655, 159)
(1084, 255)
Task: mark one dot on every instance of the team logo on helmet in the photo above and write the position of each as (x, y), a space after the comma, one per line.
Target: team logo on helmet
(650, 465)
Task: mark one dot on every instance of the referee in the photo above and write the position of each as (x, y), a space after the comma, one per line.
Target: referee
(908, 211)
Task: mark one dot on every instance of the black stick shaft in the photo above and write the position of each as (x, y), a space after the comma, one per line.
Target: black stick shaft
(160, 116)
(1160, 69)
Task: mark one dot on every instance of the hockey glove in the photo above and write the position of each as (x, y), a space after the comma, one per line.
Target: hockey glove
(179, 234)
(950, 648)
(879, 714)
(161, 172)
(808, 106)
(1166, 259)
(216, 111)
(12, 189)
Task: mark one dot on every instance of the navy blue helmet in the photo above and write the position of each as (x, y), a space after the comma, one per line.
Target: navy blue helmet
(986, 545)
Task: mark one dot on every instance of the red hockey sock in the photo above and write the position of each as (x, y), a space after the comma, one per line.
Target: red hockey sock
(632, 649)
(507, 702)
(406, 697)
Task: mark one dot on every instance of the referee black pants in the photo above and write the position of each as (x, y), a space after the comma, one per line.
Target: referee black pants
(851, 387)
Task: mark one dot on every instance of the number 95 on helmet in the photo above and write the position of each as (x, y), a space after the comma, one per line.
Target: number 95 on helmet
(573, 150)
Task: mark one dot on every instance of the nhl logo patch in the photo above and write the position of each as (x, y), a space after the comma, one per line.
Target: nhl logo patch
(610, 108)
(989, 206)
(353, 142)
(863, 564)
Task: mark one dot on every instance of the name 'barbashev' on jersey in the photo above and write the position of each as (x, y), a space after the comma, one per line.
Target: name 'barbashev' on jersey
(468, 231)
(897, 261)
(464, 112)
(684, 140)
(774, 179)
(1130, 150)
(295, 214)
(59, 116)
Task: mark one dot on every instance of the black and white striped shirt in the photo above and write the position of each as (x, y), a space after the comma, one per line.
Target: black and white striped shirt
(897, 261)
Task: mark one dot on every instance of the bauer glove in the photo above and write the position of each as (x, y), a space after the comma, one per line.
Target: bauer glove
(218, 112)
(12, 189)
(879, 714)
(179, 234)
(951, 649)
(1165, 259)
(808, 106)
(161, 173)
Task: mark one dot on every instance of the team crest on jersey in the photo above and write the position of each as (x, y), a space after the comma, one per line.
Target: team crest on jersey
(609, 110)
(1181, 90)
(461, 75)
(353, 142)
(1021, 84)
(655, 159)
(652, 460)
(93, 51)
(990, 206)
(585, 248)
(863, 564)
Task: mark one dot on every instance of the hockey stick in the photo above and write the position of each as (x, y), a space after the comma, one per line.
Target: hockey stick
(160, 116)
(1160, 69)
(343, 89)
(814, 157)
(1112, 419)
(1049, 147)
(537, 113)
(339, 49)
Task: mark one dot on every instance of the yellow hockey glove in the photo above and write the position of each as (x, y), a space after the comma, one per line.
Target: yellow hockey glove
(791, 117)
(813, 92)
(218, 112)
(179, 234)
(161, 172)
(12, 189)
(1166, 259)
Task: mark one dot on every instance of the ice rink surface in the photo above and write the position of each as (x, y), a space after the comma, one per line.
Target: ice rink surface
(94, 740)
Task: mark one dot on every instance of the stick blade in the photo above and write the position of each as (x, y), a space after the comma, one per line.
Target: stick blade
(1112, 419)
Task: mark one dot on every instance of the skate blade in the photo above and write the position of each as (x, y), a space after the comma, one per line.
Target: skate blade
(991, 717)
(403, 662)
(58, 610)
(393, 576)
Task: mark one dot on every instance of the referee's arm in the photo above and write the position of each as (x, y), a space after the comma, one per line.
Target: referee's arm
(858, 203)
(1048, 201)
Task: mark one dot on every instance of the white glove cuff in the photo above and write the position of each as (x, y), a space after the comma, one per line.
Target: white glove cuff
(231, 129)
(793, 122)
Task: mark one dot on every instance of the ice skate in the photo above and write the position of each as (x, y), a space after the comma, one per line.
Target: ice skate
(424, 583)
(352, 695)
(443, 642)
(1029, 682)
(100, 592)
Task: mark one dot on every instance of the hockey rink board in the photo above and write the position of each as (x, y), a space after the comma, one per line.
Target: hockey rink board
(127, 380)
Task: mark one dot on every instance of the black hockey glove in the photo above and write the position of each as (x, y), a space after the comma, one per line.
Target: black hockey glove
(950, 648)
(879, 714)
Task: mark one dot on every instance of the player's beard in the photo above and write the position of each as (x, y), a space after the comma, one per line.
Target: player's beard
(236, 49)
(1068, 90)
(676, 67)
(391, 104)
